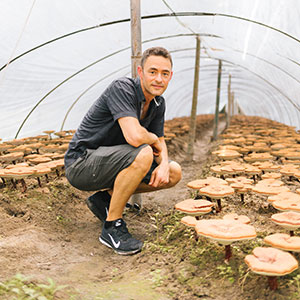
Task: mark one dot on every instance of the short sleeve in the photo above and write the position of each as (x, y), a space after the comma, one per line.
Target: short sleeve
(122, 100)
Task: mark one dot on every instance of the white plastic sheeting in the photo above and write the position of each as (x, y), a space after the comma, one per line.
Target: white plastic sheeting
(61, 60)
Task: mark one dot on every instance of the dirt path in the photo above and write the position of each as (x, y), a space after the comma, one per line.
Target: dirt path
(49, 232)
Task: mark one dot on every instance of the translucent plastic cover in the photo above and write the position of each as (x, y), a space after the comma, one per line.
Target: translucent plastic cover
(63, 54)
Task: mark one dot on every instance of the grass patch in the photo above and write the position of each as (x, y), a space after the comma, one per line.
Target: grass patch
(21, 287)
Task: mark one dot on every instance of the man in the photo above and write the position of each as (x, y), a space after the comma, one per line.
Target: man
(119, 148)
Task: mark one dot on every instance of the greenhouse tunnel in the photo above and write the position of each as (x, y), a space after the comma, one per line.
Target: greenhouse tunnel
(57, 57)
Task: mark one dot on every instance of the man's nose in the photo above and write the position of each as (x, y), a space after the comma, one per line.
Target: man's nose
(158, 77)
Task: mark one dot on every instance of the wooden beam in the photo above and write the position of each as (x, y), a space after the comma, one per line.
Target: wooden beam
(136, 42)
(217, 101)
(192, 132)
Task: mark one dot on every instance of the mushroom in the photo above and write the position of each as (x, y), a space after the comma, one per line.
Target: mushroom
(200, 183)
(194, 207)
(40, 159)
(284, 196)
(235, 217)
(19, 173)
(189, 221)
(287, 205)
(271, 175)
(11, 157)
(227, 154)
(258, 157)
(289, 170)
(49, 133)
(269, 189)
(41, 170)
(289, 220)
(225, 232)
(271, 262)
(252, 170)
(241, 185)
(283, 241)
(217, 192)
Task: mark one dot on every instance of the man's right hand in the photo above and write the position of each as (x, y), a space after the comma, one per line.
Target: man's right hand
(157, 148)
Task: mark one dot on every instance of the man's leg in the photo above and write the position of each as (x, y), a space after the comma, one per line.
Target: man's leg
(127, 182)
(114, 232)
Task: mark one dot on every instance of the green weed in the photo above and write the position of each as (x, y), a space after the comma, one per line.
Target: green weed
(21, 287)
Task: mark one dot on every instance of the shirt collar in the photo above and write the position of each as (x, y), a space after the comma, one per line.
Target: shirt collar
(141, 96)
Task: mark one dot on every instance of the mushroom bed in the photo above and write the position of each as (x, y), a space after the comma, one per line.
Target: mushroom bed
(47, 231)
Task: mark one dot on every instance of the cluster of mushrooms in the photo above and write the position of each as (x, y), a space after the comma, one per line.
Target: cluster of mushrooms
(33, 158)
(254, 156)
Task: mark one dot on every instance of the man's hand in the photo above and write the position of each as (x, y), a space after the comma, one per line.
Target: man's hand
(157, 148)
(160, 176)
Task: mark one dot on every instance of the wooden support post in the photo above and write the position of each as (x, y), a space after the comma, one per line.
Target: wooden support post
(136, 43)
(217, 101)
(136, 54)
(193, 121)
(228, 116)
(232, 104)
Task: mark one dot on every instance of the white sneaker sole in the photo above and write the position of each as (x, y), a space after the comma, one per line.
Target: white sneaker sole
(119, 251)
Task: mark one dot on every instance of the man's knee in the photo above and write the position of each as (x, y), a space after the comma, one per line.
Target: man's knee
(144, 159)
(175, 173)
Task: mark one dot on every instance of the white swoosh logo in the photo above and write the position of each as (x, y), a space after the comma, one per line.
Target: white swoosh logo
(116, 245)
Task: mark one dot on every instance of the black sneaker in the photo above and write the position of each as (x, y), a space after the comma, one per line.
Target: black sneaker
(98, 203)
(119, 239)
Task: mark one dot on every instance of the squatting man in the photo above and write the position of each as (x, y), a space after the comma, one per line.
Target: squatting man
(119, 148)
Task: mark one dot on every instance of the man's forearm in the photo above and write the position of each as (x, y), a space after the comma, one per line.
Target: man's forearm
(146, 137)
(163, 158)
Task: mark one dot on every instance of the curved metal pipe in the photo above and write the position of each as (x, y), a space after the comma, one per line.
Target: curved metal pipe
(181, 14)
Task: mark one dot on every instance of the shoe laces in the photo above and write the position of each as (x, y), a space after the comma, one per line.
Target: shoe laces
(121, 229)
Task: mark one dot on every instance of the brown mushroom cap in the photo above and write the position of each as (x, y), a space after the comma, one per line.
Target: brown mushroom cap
(11, 157)
(258, 157)
(284, 196)
(235, 217)
(287, 205)
(271, 262)
(225, 231)
(194, 207)
(227, 154)
(217, 191)
(271, 175)
(200, 183)
(289, 220)
(268, 190)
(283, 241)
(40, 159)
(240, 179)
(189, 221)
(19, 172)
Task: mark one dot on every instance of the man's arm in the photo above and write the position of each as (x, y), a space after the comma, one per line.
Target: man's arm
(136, 135)
(160, 175)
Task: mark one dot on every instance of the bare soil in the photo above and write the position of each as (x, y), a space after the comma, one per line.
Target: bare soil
(49, 232)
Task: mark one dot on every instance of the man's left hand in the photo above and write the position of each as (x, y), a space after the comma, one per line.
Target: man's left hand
(160, 176)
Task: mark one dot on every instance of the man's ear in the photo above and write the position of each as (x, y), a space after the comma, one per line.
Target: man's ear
(140, 71)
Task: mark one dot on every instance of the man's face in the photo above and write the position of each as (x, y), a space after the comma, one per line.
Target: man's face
(155, 76)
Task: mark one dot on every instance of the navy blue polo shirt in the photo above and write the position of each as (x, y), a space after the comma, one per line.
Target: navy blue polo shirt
(100, 126)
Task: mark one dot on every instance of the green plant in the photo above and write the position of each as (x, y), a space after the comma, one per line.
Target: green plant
(157, 278)
(21, 287)
(296, 281)
(227, 272)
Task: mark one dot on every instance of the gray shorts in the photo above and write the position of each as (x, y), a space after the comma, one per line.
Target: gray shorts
(98, 168)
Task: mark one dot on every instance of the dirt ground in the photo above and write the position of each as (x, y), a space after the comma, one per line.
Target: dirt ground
(48, 232)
